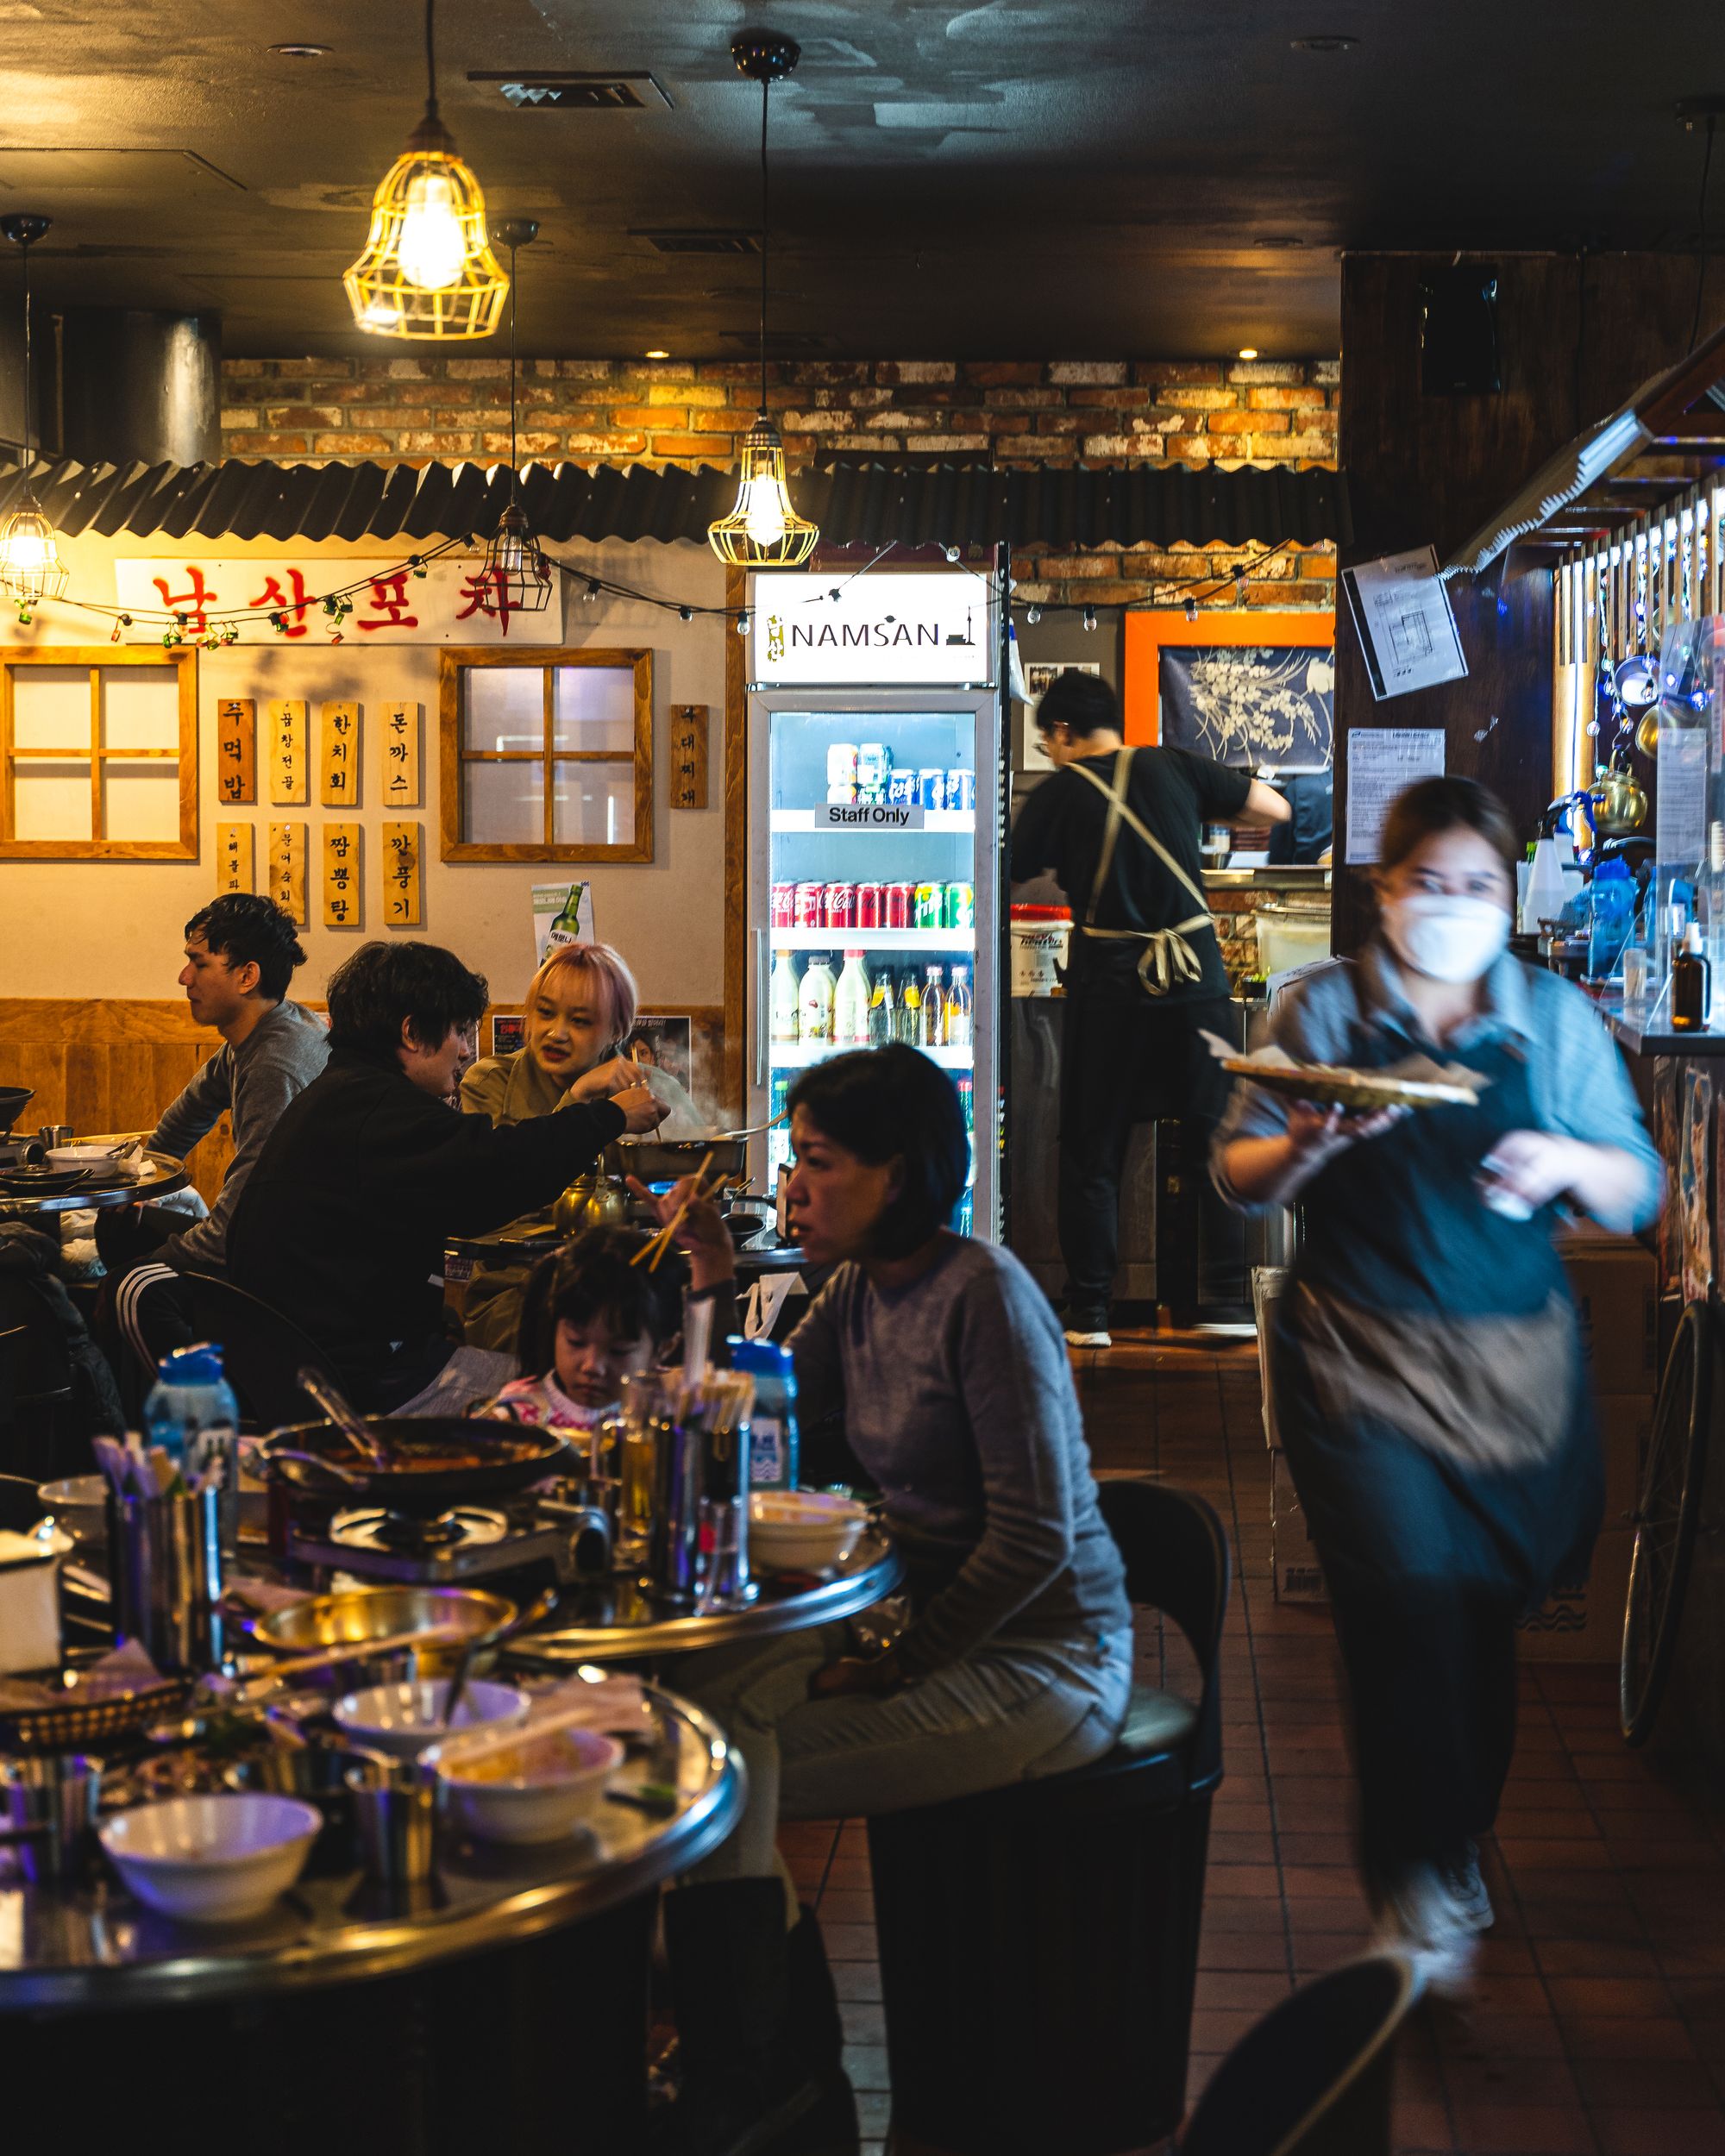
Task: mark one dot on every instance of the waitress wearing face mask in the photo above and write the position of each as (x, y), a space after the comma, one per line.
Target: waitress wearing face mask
(1426, 1357)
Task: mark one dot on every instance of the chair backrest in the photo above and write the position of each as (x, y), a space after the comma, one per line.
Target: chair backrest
(262, 1352)
(1313, 2077)
(1176, 1558)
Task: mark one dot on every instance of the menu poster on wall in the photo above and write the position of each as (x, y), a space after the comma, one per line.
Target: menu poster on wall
(287, 870)
(338, 756)
(341, 875)
(400, 781)
(1402, 609)
(1381, 763)
(236, 749)
(402, 852)
(288, 752)
(233, 858)
(562, 913)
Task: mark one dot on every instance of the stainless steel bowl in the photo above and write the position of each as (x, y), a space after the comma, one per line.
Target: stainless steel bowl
(378, 1612)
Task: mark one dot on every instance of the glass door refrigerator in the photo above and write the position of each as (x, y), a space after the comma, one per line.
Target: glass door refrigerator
(875, 856)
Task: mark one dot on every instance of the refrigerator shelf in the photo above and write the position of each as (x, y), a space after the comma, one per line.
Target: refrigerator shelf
(934, 939)
(803, 819)
(799, 1055)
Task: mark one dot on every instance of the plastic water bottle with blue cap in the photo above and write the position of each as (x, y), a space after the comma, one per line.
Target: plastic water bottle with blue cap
(191, 1412)
(773, 1419)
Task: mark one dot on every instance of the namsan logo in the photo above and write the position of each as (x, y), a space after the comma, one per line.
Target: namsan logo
(775, 636)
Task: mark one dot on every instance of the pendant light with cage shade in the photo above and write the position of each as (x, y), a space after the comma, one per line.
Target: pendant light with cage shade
(764, 531)
(518, 577)
(428, 271)
(30, 567)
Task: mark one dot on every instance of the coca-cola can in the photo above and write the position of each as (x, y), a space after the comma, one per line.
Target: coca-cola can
(784, 905)
(901, 903)
(871, 904)
(841, 905)
(811, 906)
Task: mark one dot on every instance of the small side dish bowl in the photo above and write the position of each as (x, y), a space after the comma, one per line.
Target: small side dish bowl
(79, 1504)
(802, 1531)
(214, 1859)
(404, 1718)
(65, 1158)
(536, 1790)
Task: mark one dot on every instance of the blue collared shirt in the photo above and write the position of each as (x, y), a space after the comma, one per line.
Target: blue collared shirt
(1575, 1075)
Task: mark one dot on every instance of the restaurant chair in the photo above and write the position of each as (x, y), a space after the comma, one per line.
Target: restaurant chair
(1038, 1943)
(1315, 2077)
(35, 1388)
(262, 1352)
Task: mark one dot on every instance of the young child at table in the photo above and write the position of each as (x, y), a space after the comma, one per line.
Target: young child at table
(589, 1319)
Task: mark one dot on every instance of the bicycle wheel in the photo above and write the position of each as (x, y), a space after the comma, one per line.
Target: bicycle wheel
(1665, 1521)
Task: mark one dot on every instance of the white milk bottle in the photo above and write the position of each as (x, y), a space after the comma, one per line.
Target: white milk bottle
(814, 1002)
(786, 1025)
(850, 1004)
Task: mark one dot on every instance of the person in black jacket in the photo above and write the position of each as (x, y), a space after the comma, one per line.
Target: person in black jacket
(343, 1225)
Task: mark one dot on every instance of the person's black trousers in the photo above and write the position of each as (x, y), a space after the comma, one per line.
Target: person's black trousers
(1127, 1058)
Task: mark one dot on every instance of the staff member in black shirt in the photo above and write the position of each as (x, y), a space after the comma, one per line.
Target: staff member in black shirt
(1120, 829)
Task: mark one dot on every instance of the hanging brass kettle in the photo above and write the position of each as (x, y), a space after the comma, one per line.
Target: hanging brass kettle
(590, 1202)
(1620, 806)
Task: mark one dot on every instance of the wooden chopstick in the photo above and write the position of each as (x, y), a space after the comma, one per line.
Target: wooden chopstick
(662, 1241)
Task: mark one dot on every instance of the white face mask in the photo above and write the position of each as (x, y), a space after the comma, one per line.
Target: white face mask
(1446, 938)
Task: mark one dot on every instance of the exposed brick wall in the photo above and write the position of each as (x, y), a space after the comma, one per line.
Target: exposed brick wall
(1023, 414)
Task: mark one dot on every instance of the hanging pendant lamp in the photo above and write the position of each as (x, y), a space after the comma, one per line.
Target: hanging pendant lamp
(428, 271)
(30, 567)
(517, 576)
(764, 531)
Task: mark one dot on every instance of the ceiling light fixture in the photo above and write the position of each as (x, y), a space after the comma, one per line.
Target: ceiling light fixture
(301, 52)
(1248, 351)
(657, 353)
(30, 567)
(428, 271)
(764, 530)
(517, 574)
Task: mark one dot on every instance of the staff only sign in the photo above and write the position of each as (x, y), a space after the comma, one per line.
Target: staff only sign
(452, 603)
(935, 629)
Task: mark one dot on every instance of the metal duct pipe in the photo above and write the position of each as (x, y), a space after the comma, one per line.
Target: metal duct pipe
(139, 385)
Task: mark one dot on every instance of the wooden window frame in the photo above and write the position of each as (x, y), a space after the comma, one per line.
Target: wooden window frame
(97, 658)
(453, 757)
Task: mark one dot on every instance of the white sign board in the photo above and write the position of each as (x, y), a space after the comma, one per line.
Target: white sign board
(871, 816)
(1381, 763)
(879, 629)
(450, 603)
(1403, 611)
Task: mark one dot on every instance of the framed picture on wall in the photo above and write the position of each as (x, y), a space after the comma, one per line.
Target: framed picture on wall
(1039, 673)
(1243, 688)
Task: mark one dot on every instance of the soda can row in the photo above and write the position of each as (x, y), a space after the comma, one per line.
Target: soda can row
(932, 789)
(874, 906)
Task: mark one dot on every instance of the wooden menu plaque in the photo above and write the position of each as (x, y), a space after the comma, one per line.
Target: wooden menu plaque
(404, 850)
(236, 751)
(234, 859)
(289, 749)
(287, 869)
(342, 901)
(338, 756)
(399, 786)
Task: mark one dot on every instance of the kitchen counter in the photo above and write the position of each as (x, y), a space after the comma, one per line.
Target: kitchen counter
(1646, 1030)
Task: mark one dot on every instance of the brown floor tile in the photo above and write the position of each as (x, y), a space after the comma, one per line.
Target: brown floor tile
(1697, 2133)
(1524, 2129)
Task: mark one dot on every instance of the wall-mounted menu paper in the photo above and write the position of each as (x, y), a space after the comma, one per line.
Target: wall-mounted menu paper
(402, 853)
(237, 750)
(289, 777)
(235, 869)
(342, 903)
(287, 869)
(400, 784)
(1381, 763)
(338, 756)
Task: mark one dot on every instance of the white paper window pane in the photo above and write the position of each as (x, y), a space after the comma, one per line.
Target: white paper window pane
(503, 707)
(51, 708)
(504, 803)
(140, 800)
(140, 707)
(594, 805)
(594, 708)
(51, 799)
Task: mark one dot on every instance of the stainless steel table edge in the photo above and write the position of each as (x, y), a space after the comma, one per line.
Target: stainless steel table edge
(17, 1205)
(394, 1945)
(768, 1618)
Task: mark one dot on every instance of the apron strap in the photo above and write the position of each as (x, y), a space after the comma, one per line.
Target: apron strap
(1168, 957)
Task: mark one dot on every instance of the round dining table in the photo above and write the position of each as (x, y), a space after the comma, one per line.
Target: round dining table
(155, 1175)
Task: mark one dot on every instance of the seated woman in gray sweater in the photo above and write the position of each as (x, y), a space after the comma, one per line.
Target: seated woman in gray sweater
(957, 1399)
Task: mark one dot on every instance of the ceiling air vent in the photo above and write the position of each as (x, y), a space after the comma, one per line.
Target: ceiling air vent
(563, 90)
(697, 240)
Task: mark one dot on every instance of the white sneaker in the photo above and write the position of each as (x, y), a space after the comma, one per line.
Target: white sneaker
(1090, 1340)
(1464, 1886)
(1426, 1921)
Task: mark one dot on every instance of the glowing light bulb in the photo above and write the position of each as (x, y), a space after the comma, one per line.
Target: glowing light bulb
(766, 517)
(431, 249)
(25, 550)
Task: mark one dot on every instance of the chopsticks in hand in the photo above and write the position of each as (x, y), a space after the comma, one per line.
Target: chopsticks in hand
(653, 1251)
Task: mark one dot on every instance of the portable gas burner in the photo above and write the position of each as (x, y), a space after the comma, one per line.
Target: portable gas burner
(471, 1542)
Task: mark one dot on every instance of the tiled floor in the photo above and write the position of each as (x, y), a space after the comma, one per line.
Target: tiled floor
(1599, 2025)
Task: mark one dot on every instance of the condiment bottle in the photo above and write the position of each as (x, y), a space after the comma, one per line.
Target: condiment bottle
(1691, 984)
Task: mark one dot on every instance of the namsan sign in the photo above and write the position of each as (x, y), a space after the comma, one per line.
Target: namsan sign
(931, 629)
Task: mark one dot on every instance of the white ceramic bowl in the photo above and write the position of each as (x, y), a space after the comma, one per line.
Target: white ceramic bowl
(64, 1158)
(404, 1718)
(538, 1789)
(79, 1504)
(217, 1859)
(802, 1531)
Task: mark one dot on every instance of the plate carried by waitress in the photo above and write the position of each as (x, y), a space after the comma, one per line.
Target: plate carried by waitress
(1330, 1085)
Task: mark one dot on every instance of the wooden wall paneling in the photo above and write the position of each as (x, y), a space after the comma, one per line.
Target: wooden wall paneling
(735, 848)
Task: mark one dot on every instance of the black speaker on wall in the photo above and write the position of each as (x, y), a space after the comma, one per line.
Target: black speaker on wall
(1459, 354)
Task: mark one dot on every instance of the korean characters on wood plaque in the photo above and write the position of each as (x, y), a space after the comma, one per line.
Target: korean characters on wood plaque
(342, 906)
(400, 732)
(402, 854)
(235, 869)
(338, 756)
(289, 749)
(287, 869)
(236, 752)
(688, 755)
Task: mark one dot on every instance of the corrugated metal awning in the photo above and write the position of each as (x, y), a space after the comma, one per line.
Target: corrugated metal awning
(1123, 505)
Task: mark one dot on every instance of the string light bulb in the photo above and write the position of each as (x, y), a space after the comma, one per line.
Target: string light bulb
(30, 567)
(1033, 616)
(1089, 619)
(951, 552)
(1191, 608)
(427, 271)
(742, 623)
(763, 530)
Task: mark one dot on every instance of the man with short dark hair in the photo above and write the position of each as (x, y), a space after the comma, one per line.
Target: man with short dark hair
(241, 953)
(1121, 830)
(345, 1219)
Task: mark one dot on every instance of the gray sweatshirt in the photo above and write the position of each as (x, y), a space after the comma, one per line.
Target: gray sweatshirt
(253, 1083)
(957, 1397)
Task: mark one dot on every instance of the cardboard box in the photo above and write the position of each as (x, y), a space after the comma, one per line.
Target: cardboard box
(1583, 1621)
(1297, 1575)
(1267, 1284)
(1616, 1290)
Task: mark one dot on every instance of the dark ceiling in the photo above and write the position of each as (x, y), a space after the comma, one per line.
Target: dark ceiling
(1014, 178)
